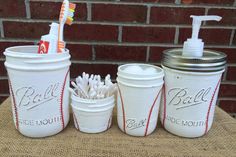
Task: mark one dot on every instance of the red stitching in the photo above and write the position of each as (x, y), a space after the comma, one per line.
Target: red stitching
(75, 120)
(14, 105)
(123, 110)
(61, 103)
(209, 108)
(164, 115)
(150, 113)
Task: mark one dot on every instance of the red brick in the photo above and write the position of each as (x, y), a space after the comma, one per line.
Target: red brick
(230, 52)
(4, 87)
(5, 44)
(228, 16)
(91, 32)
(148, 34)
(80, 52)
(120, 53)
(12, 8)
(231, 73)
(40, 10)
(209, 36)
(156, 53)
(2, 99)
(209, 2)
(101, 69)
(173, 15)
(119, 13)
(25, 29)
(227, 90)
(3, 71)
(228, 105)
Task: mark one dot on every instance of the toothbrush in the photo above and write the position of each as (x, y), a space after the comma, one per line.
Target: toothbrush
(66, 16)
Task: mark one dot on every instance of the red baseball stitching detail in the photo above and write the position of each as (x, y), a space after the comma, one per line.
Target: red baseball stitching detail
(123, 110)
(75, 120)
(164, 115)
(150, 113)
(209, 108)
(14, 105)
(61, 103)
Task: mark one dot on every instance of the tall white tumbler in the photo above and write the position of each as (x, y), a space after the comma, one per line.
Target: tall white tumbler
(190, 91)
(138, 100)
(38, 85)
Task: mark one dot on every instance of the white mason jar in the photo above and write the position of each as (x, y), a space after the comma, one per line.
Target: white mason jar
(38, 85)
(190, 91)
(138, 99)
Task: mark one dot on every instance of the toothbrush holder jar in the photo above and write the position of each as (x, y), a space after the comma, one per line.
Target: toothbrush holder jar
(190, 91)
(38, 85)
(138, 98)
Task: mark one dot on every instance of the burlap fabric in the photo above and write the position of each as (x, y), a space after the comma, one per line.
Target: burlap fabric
(219, 142)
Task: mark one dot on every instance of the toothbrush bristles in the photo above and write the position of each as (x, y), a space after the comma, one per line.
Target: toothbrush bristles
(72, 6)
(69, 21)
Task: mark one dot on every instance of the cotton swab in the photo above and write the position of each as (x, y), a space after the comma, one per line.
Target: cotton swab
(91, 87)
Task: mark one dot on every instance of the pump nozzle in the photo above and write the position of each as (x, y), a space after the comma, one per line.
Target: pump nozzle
(197, 20)
(193, 47)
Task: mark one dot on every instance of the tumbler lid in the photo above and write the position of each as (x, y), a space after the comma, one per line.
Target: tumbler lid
(210, 61)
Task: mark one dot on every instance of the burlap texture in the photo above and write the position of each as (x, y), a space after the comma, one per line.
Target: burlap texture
(219, 142)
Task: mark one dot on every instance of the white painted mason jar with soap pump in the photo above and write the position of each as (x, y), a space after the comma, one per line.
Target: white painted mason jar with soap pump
(192, 81)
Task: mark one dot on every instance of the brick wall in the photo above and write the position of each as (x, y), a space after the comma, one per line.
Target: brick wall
(107, 33)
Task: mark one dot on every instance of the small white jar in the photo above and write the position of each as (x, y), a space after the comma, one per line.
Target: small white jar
(138, 98)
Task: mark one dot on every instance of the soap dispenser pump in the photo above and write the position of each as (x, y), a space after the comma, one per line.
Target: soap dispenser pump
(193, 47)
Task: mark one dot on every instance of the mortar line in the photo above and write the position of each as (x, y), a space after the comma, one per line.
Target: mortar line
(5, 94)
(116, 43)
(229, 82)
(93, 53)
(3, 78)
(148, 14)
(89, 11)
(1, 29)
(232, 37)
(226, 98)
(148, 54)
(176, 40)
(120, 34)
(120, 23)
(27, 9)
(232, 64)
(206, 13)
